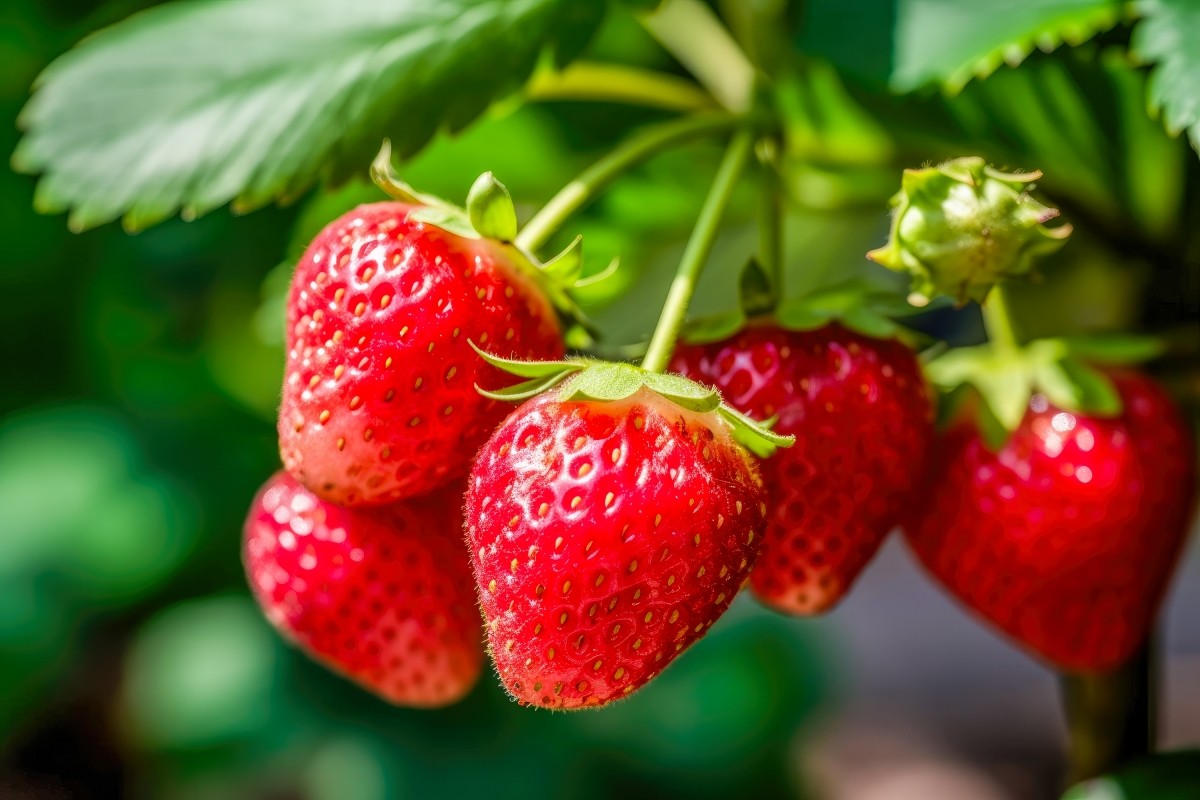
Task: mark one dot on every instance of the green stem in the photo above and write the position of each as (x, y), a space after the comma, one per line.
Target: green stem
(617, 83)
(662, 343)
(997, 319)
(770, 222)
(1110, 717)
(628, 154)
(692, 33)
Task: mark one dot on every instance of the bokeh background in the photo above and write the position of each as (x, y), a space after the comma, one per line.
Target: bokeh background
(139, 377)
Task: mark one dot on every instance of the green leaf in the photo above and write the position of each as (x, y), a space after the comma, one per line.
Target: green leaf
(912, 43)
(713, 329)
(1167, 37)
(491, 210)
(192, 105)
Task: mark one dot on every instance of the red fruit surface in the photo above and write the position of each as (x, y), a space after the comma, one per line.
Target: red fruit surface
(382, 595)
(1066, 538)
(379, 399)
(606, 538)
(861, 414)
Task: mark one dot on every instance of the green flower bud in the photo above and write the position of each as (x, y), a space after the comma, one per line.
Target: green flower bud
(960, 227)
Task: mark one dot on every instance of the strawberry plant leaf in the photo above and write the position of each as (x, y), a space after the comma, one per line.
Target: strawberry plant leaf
(946, 41)
(1166, 37)
(189, 106)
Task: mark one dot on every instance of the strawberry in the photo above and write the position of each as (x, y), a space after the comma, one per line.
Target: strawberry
(381, 595)
(1065, 538)
(608, 536)
(862, 418)
(379, 401)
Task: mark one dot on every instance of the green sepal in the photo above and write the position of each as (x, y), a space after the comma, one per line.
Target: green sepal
(855, 304)
(713, 329)
(567, 266)
(1114, 348)
(525, 369)
(1058, 368)
(756, 291)
(757, 437)
(448, 219)
(431, 210)
(603, 381)
(607, 383)
(526, 389)
(490, 209)
(683, 392)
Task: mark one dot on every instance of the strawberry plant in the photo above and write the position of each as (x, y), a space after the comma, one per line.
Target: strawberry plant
(559, 427)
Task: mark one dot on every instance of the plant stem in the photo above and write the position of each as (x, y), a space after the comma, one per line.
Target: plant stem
(997, 319)
(662, 343)
(628, 154)
(618, 83)
(770, 223)
(1110, 717)
(692, 33)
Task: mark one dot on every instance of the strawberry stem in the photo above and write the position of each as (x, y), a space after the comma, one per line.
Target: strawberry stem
(619, 83)
(662, 343)
(627, 155)
(692, 32)
(1110, 717)
(998, 321)
(770, 218)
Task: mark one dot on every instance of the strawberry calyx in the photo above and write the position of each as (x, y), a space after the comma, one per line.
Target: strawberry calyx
(584, 379)
(856, 304)
(960, 227)
(1062, 369)
(491, 214)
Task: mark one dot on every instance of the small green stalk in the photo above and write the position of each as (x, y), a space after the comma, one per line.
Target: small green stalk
(662, 343)
(1110, 717)
(770, 220)
(693, 33)
(997, 319)
(627, 155)
(617, 83)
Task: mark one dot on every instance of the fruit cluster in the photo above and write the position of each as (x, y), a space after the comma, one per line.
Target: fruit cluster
(606, 523)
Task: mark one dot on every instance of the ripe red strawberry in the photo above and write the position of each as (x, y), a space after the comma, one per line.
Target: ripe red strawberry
(861, 415)
(379, 399)
(381, 595)
(1065, 539)
(606, 538)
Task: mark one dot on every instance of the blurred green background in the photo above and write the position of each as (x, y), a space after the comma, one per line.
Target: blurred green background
(137, 399)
